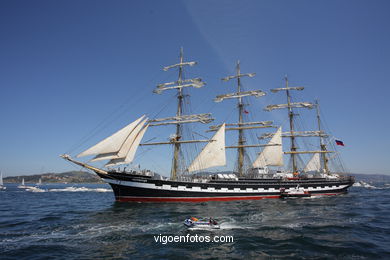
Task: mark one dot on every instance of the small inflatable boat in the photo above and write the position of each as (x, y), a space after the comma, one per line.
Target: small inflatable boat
(295, 193)
(201, 223)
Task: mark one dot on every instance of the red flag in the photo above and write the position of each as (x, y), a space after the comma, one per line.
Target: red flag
(246, 112)
(338, 142)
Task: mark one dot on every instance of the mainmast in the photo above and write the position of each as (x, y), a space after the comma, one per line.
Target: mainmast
(241, 125)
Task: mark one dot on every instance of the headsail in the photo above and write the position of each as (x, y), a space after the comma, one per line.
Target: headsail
(125, 147)
(213, 154)
(129, 153)
(314, 164)
(272, 155)
(113, 143)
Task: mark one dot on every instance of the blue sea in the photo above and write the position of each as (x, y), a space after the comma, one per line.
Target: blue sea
(63, 221)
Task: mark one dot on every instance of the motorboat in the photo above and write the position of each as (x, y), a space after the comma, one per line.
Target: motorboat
(201, 223)
(297, 192)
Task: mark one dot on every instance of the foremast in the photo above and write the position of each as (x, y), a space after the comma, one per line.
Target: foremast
(180, 118)
(176, 152)
(240, 126)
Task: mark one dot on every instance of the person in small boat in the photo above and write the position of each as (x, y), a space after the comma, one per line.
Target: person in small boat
(212, 221)
(194, 219)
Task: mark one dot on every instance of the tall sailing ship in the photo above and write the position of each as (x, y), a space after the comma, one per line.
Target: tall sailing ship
(260, 178)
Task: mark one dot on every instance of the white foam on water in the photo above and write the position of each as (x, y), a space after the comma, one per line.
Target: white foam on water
(363, 184)
(230, 225)
(80, 189)
(35, 189)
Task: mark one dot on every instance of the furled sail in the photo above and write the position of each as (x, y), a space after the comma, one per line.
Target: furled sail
(213, 154)
(314, 164)
(292, 105)
(256, 93)
(272, 155)
(125, 147)
(112, 143)
(130, 150)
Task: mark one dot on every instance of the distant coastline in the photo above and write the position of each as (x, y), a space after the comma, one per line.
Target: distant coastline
(64, 177)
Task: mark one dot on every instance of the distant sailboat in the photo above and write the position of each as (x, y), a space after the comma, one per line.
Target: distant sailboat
(22, 186)
(39, 182)
(2, 187)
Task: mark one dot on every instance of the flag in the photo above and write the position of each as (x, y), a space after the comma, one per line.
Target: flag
(246, 111)
(338, 142)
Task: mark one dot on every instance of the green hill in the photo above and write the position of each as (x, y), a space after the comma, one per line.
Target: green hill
(68, 177)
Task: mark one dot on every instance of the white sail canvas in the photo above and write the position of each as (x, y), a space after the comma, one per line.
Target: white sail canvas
(213, 154)
(271, 155)
(132, 149)
(314, 164)
(125, 146)
(112, 143)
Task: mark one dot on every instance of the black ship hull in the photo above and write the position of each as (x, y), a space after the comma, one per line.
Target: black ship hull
(139, 188)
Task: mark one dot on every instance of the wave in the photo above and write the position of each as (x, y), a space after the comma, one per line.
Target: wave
(363, 184)
(35, 189)
(67, 189)
(80, 189)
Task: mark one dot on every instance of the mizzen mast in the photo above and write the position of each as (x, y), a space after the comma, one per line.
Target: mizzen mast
(241, 125)
(322, 143)
(292, 134)
(290, 105)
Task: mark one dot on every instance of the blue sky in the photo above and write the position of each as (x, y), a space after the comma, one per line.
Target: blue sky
(71, 67)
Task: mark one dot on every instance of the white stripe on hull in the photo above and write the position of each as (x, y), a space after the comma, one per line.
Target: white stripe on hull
(166, 187)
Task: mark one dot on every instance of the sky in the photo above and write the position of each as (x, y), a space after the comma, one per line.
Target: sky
(74, 72)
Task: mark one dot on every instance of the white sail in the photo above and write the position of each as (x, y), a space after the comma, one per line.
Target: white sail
(130, 153)
(213, 154)
(271, 155)
(23, 182)
(105, 156)
(314, 164)
(125, 146)
(112, 143)
(1, 179)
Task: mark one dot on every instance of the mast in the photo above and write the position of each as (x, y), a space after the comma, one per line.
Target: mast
(322, 143)
(180, 117)
(241, 125)
(176, 152)
(121, 147)
(240, 121)
(292, 134)
(293, 148)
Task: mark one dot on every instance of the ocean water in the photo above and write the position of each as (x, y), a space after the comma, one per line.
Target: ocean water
(84, 222)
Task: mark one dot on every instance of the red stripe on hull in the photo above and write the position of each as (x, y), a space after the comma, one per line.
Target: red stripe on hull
(192, 199)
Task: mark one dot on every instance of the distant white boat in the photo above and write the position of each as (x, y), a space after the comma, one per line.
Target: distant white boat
(2, 187)
(34, 189)
(22, 186)
(39, 182)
